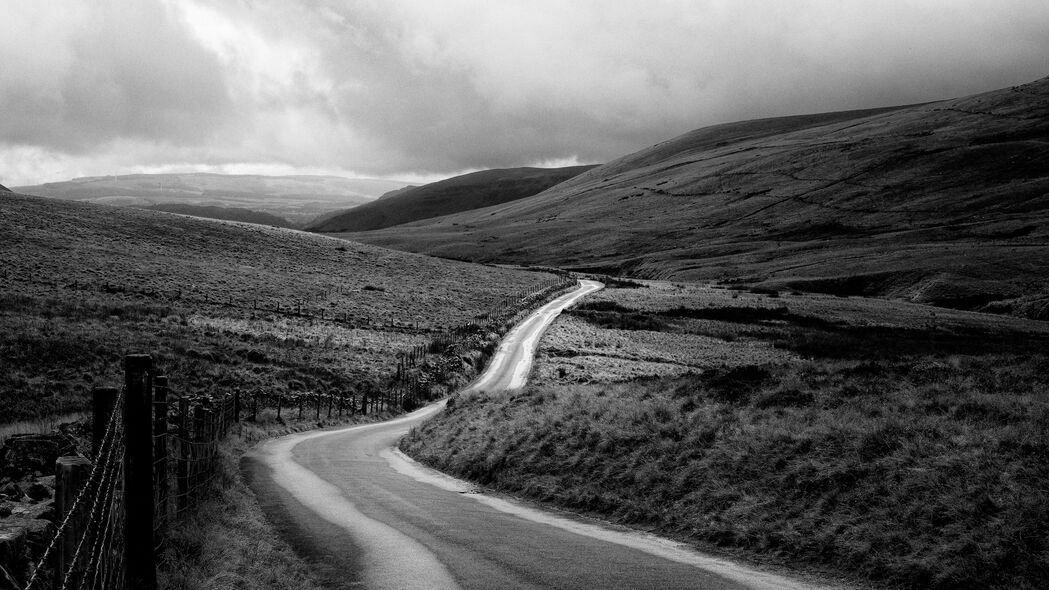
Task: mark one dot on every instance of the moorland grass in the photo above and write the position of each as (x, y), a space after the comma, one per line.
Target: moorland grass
(915, 461)
(82, 285)
(54, 351)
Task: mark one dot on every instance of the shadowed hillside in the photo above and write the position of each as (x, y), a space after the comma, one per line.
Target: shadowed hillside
(942, 203)
(461, 193)
(223, 213)
(298, 199)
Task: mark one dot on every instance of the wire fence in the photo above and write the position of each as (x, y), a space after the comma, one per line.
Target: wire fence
(114, 509)
(86, 551)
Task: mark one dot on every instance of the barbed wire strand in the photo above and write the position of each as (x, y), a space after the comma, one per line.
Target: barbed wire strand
(107, 472)
(80, 497)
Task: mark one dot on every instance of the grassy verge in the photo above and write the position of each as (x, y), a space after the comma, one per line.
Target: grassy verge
(911, 458)
(227, 542)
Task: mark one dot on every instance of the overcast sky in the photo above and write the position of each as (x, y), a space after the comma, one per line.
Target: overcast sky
(426, 89)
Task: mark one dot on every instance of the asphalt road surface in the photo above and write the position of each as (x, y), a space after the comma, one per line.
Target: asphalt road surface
(366, 516)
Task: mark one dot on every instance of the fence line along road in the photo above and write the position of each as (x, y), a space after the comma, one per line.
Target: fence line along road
(155, 451)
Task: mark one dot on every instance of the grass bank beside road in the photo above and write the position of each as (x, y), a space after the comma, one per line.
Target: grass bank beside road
(228, 542)
(895, 451)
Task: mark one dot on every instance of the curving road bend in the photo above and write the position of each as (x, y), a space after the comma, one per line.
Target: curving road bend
(366, 516)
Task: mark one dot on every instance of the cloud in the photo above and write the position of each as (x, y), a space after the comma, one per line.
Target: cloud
(92, 72)
(419, 87)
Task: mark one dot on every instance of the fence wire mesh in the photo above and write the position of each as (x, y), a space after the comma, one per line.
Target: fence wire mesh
(86, 550)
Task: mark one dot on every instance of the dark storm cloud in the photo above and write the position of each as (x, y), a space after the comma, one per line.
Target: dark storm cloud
(438, 87)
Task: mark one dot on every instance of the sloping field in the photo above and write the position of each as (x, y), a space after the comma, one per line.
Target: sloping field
(223, 213)
(461, 193)
(943, 203)
(83, 284)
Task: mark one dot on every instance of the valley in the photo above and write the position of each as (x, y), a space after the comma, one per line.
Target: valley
(820, 350)
(940, 203)
(221, 304)
(297, 200)
(460, 193)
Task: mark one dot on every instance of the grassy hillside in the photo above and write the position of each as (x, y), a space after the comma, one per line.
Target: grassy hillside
(461, 193)
(942, 203)
(223, 213)
(882, 441)
(81, 285)
(299, 199)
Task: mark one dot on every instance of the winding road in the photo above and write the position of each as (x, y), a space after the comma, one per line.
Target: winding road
(366, 516)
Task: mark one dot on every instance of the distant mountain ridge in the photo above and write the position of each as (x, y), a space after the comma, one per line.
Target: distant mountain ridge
(945, 202)
(460, 193)
(299, 198)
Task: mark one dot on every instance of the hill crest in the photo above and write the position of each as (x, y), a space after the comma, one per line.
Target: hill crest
(460, 193)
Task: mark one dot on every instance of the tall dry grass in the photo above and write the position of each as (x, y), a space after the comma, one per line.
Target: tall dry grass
(891, 464)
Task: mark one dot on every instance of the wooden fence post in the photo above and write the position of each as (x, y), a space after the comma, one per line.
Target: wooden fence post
(160, 446)
(199, 428)
(103, 399)
(139, 559)
(71, 474)
(182, 469)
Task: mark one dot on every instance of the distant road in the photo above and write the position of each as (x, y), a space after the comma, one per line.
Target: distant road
(369, 517)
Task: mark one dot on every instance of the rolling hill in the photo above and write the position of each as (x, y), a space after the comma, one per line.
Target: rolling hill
(944, 203)
(460, 193)
(218, 302)
(298, 199)
(4, 189)
(223, 213)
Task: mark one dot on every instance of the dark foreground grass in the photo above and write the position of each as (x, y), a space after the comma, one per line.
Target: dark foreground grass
(53, 352)
(228, 543)
(917, 472)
